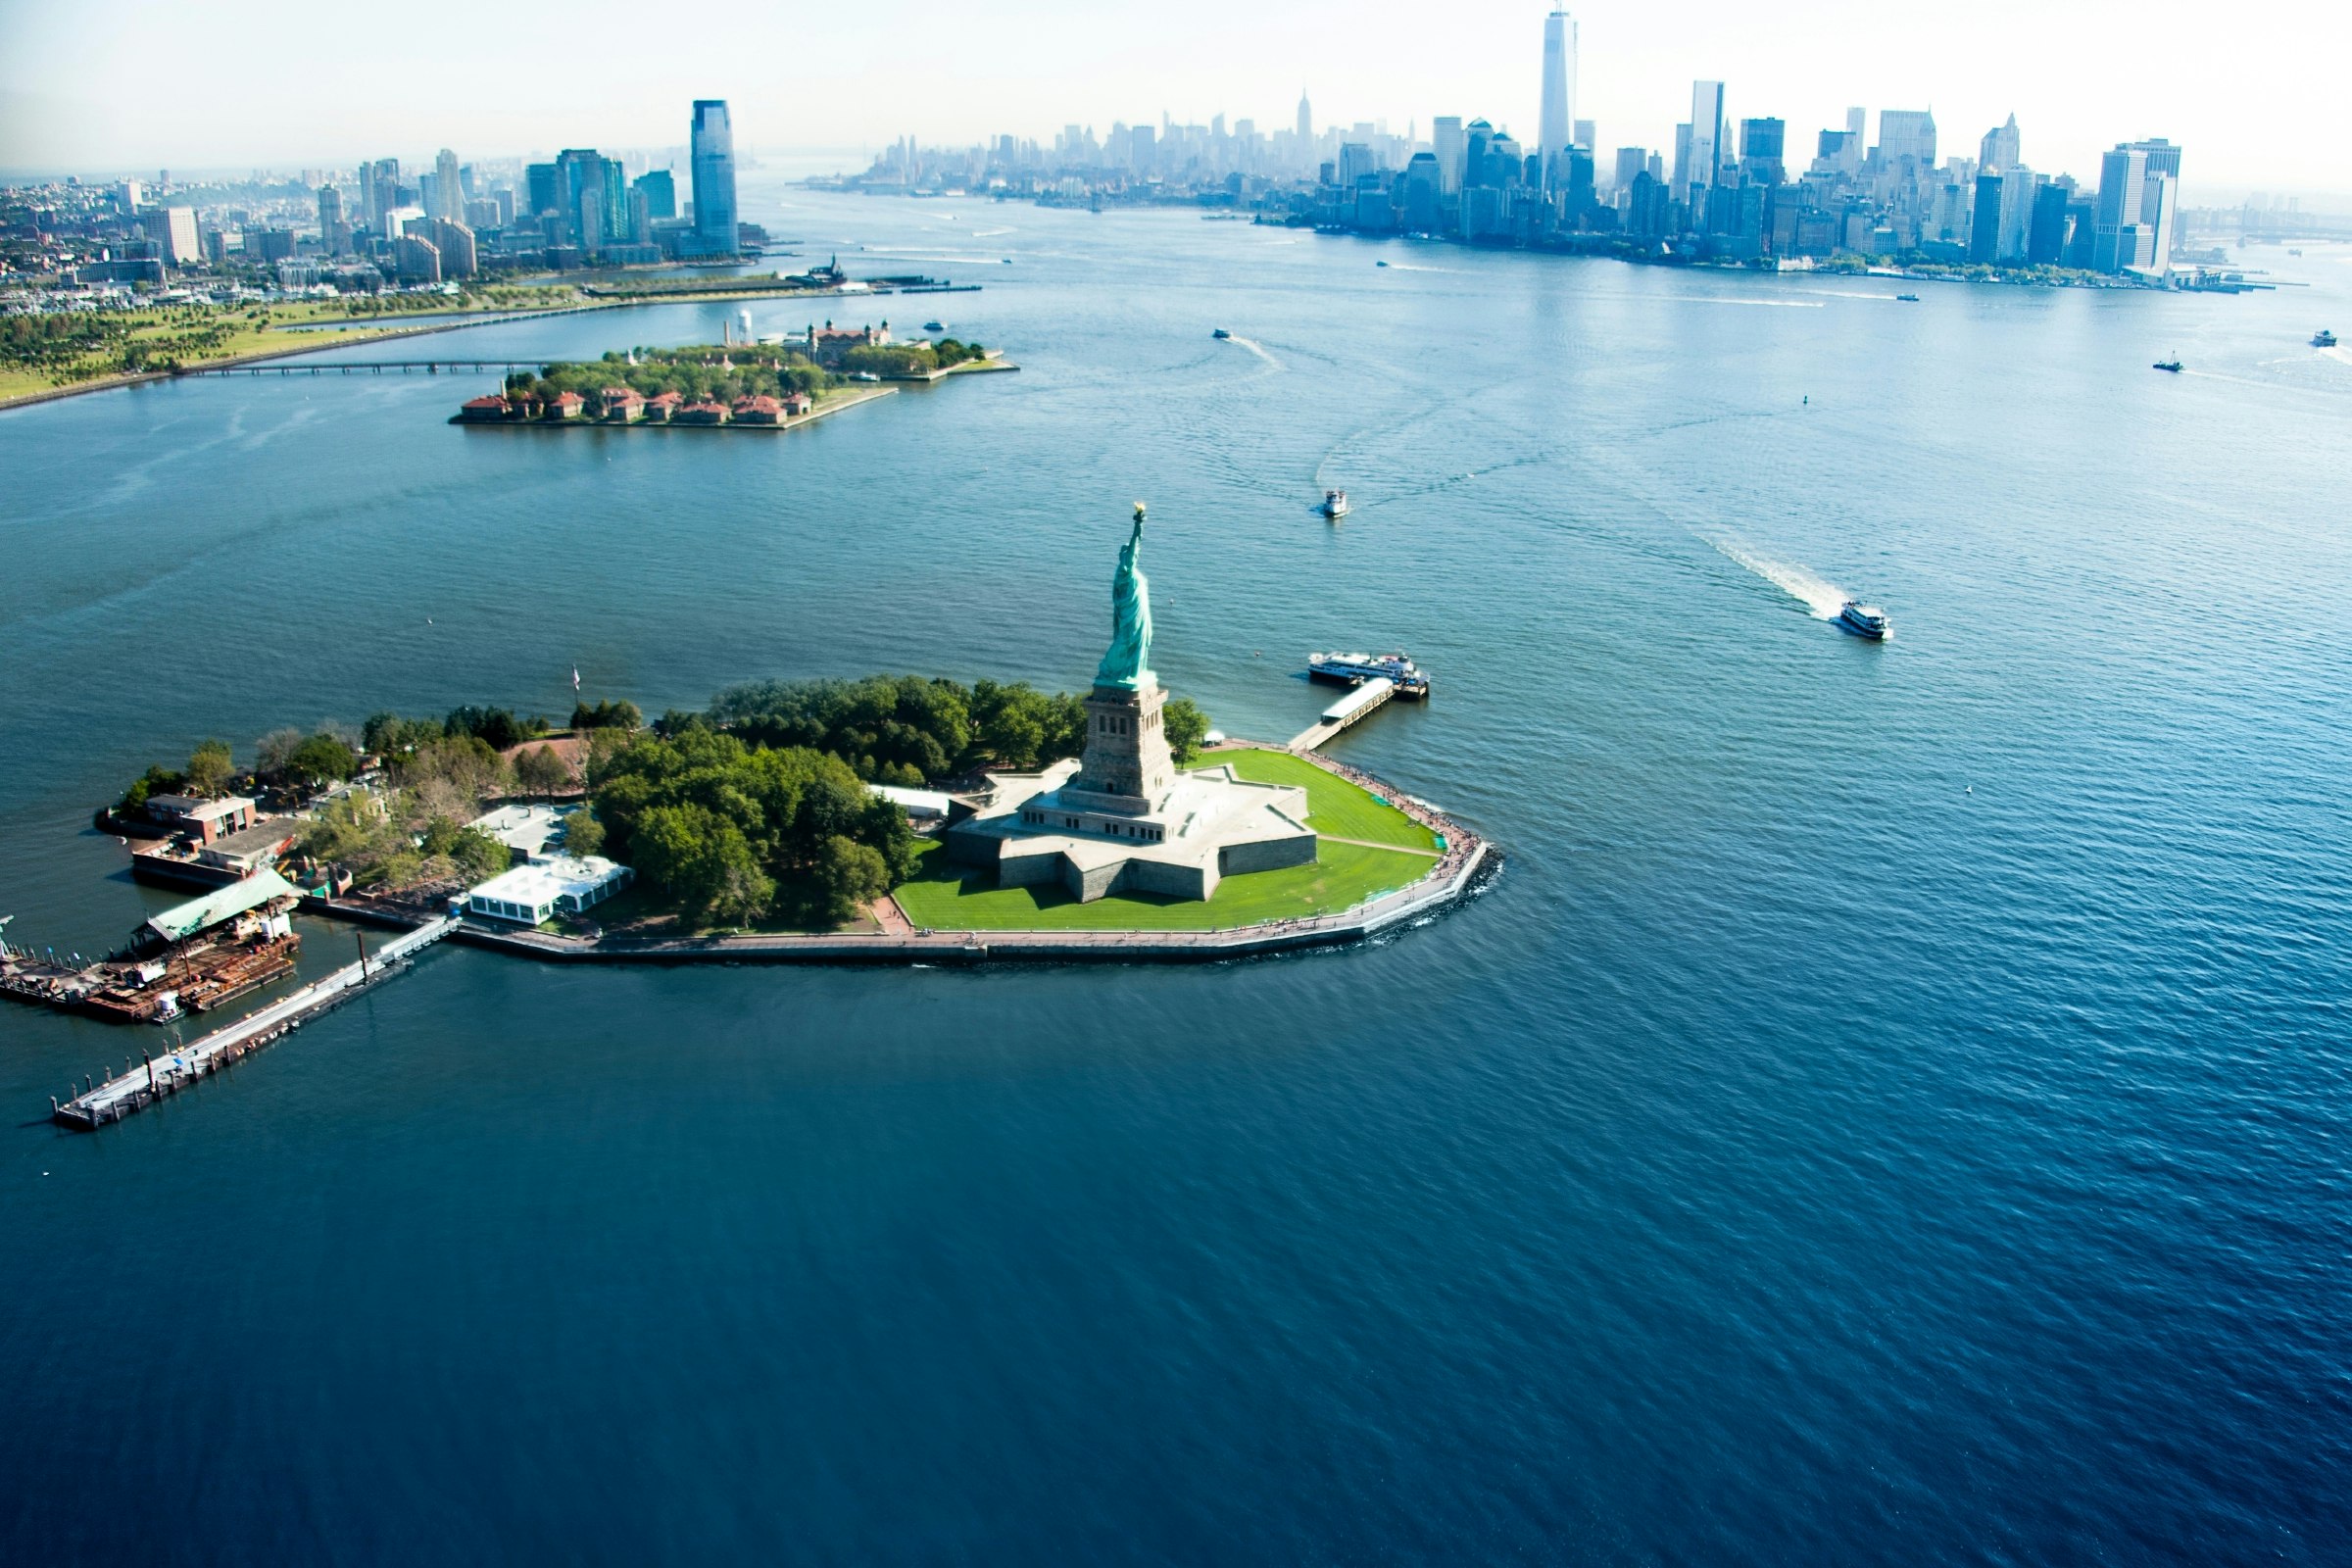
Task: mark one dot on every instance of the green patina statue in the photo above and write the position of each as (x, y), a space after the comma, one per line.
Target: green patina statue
(1124, 666)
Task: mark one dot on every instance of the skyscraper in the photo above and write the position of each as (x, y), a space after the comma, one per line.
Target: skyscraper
(2138, 183)
(1707, 138)
(1307, 131)
(2017, 187)
(660, 194)
(1445, 142)
(333, 237)
(2000, 152)
(449, 191)
(1763, 145)
(1906, 134)
(1557, 123)
(713, 178)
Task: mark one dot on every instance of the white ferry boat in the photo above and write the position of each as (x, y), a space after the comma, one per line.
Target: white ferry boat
(1347, 669)
(1335, 503)
(1864, 621)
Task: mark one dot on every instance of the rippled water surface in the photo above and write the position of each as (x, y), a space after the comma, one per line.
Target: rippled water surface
(1891, 1109)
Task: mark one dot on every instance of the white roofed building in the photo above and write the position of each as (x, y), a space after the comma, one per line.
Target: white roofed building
(559, 884)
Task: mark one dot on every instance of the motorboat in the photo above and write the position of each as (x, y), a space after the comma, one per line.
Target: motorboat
(935, 326)
(1864, 621)
(1909, 299)
(2172, 365)
(1220, 334)
(1335, 504)
(2323, 339)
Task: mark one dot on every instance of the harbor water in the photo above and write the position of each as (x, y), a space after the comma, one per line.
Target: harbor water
(1892, 1107)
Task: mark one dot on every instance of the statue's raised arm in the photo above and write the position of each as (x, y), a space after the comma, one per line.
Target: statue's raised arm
(1126, 667)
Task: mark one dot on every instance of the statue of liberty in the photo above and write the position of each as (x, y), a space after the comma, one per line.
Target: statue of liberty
(1124, 666)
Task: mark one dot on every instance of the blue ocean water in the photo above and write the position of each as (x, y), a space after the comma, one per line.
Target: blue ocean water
(1891, 1109)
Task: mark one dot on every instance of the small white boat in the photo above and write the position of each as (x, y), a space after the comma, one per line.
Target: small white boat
(1335, 504)
(1864, 621)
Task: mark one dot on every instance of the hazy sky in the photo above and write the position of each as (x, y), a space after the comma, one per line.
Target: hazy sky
(146, 83)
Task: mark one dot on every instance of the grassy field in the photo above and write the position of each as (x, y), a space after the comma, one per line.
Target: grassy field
(1334, 806)
(941, 897)
(197, 335)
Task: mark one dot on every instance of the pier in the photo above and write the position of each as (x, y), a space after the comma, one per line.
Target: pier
(160, 1077)
(1365, 698)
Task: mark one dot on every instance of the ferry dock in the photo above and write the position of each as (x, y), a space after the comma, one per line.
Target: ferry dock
(159, 1077)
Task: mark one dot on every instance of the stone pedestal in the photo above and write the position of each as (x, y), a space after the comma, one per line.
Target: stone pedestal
(1127, 767)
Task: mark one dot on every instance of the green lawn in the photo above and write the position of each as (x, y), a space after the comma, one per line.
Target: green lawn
(941, 897)
(1334, 805)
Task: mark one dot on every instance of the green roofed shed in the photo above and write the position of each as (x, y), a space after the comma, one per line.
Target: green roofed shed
(183, 920)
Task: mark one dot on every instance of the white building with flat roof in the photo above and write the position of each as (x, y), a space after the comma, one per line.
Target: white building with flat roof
(562, 884)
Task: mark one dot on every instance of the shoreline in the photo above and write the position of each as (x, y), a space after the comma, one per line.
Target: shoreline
(109, 383)
(1468, 863)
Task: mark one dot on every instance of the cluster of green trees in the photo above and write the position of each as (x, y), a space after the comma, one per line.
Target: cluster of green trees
(396, 840)
(909, 358)
(494, 297)
(387, 733)
(720, 373)
(913, 729)
(55, 340)
(607, 714)
(733, 833)
(297, 760)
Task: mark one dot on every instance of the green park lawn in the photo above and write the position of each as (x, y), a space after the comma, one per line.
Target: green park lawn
(954, 898)
(1334, 808)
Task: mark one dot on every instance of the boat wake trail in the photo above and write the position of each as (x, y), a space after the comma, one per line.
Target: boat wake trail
(1821, 598)
(1257, 349)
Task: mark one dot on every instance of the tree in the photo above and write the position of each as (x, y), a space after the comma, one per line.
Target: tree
(271, 752)
(322, 759)
(211, 767)
(849, 876)
(583, 834)
(156, 780)
(538, 770)
(1185, 726)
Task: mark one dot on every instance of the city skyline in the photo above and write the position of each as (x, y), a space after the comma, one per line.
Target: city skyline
(1632, 78)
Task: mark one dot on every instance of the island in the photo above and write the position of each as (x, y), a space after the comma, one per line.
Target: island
(895, 819)
(774, 383)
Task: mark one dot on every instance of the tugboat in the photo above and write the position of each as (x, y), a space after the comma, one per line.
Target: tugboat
(1335, 504)
(2173, 365)
(1864, 621)
(1220, 334)
(2323, 339)
(1351, 669)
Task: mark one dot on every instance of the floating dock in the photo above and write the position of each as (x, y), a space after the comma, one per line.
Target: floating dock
(159, 1078)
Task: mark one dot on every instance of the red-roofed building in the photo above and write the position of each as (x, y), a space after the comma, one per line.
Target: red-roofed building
(826, 344)
(486, 409)
(662, 406)
(797, 404)
(565, 405)
(759, 410)
(624, 403)
(704, 413)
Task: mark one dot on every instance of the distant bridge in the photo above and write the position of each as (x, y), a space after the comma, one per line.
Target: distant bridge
(367, 367)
